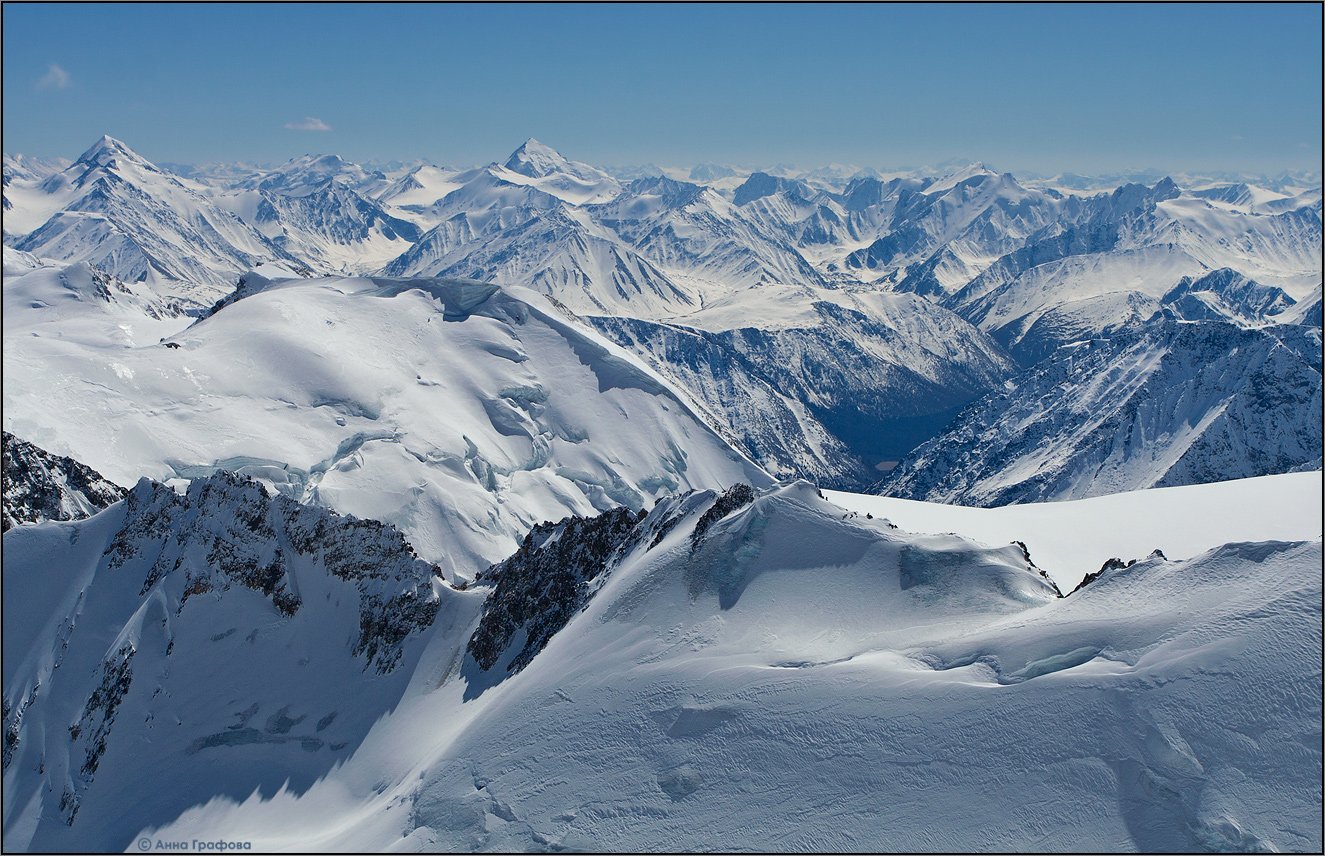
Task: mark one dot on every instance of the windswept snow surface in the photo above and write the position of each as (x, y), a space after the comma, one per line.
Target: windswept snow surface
(781, 675)
(1072, 538)
(461, 412)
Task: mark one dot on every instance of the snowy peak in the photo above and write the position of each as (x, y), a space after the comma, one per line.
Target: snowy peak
(1170, 403)
(1225, 295)
(761, 184)
(127, 217)
(108, 152)
(543, 167)
(308, 173)
(975, 170)
(536, 160)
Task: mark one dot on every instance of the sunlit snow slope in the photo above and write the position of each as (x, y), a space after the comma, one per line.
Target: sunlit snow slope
(1072, 538)
(461, 412)
(778, 676)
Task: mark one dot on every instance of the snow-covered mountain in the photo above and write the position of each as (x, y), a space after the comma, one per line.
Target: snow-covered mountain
(952, 227)
(172, 632)
(1225, 295)
(40, 486)
(328, 225)
(1170, 403)
(589, 619)
(1124, 256)
(420, 187)
(678, 269)
(461, 412)
(755, 668)
(822, 383)
(659, 247)
(556, 250)
(120, 213)
(303, 175)
(545, 168)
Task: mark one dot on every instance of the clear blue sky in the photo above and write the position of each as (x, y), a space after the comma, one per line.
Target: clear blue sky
(1031, 87)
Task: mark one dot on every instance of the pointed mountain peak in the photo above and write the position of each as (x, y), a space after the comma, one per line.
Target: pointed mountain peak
(106, 150)
(1166, 188)
(537, 160)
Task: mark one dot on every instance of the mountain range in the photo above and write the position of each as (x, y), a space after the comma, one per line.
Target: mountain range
(828, 323)
(542, 506)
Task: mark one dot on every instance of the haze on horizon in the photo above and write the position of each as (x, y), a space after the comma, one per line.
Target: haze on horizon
(1034, 88)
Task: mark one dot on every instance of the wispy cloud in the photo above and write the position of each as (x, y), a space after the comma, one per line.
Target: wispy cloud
(54, 78)
(308, 123)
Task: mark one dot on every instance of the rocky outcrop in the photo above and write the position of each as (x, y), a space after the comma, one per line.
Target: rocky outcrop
(549, 579)
(40, 486)
(252, 540)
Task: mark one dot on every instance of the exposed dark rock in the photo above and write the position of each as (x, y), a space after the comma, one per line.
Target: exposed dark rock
(547, 581)
(40, 486)
(736, 496)
(251, 539)
(1113, 564)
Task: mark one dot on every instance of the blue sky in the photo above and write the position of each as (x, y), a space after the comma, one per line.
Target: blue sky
(1028, 87)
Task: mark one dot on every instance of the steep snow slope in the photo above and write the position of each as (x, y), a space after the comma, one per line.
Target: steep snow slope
(421, 187)
(174, 648)
(1169, 404)
(1071, 538)
(702, 240)
(328, 225)
(1225, 295)
(562, 253)
(545, 168)
(822, 383)
(40, 486)
(127, 217)
(769, 675)
(459, 411)
(1306, 311)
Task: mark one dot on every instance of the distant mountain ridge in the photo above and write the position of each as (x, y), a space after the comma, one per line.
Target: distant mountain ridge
(820, 263)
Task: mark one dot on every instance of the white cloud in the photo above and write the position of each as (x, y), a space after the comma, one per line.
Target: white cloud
(54, 78)
(308, 123)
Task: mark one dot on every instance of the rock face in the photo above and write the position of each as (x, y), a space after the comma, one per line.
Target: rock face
(546, 582)
(244, 537)
(1171, 404)
(181, 616)
(41, 486)
(560, 565)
